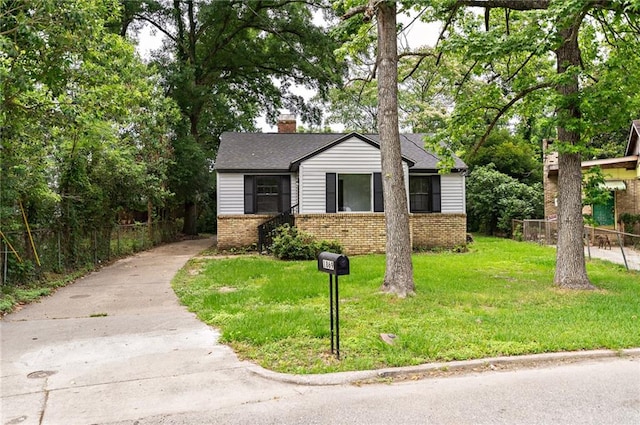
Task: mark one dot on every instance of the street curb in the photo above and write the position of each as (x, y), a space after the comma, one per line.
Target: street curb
(442, 368)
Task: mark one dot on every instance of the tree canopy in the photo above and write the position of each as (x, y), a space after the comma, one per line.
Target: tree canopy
(225, 64)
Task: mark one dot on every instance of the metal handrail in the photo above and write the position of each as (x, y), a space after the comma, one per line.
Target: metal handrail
(267, 229)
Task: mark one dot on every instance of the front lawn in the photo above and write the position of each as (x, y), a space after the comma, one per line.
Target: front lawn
(497, 299)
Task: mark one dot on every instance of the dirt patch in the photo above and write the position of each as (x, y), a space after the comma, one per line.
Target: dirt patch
(227, 289)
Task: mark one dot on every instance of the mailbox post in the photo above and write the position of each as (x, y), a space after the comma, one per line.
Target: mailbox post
(336, 265)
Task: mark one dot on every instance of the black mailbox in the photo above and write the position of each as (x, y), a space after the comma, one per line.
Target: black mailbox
(336, 264)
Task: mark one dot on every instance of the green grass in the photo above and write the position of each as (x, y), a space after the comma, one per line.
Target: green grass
(14, 295)
(497, 299)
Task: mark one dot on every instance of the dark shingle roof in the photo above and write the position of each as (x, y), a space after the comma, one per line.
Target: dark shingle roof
(264, 152)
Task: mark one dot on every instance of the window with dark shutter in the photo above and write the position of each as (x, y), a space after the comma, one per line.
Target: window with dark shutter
(353, 192)
(424, 194)
(378, 198)
(285, 193)
(331, 192)
(435, 194)
(267, 194)
(249, 190)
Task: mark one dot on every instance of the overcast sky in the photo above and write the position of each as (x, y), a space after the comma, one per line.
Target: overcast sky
(416, 35)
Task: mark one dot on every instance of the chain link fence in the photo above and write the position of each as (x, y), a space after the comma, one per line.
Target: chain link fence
(57, 251)
(544, 232)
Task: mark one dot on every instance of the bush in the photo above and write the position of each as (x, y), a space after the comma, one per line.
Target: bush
(290, 243)
(330, 246)
(495, 199)
(629, 221)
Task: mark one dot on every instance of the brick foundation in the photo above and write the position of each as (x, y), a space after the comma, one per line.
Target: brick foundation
(238, 231)
(438, 230)
(359, 233)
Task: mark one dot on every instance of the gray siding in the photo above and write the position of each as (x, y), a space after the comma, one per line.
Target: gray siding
(453, 193)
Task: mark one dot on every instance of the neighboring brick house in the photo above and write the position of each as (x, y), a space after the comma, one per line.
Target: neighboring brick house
(622, 179)
(333, 185)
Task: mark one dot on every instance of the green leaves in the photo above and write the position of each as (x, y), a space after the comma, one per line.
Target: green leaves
(84, 122)
(494, 199)
(593, 188)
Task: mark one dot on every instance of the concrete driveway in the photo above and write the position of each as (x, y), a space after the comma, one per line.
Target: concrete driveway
(116, 346)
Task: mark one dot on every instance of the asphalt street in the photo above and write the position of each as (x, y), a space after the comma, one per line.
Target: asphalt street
(116, 347)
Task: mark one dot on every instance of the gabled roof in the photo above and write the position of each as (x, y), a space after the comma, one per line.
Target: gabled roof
(281, 152)
(367, 139)
(632, 145)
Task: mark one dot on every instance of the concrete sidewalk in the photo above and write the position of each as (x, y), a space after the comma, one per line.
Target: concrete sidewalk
(117, 346)
(615, 255)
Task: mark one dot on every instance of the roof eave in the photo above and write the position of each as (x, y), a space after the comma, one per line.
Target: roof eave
(253, 170)
(630, 161)
(436, 170)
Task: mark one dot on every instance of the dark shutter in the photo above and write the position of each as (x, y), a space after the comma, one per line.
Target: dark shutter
(331, 192)
(285, 193)
(249, 195)
(435, 194)
(378, 198)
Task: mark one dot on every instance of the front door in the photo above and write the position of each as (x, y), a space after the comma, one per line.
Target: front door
(604, 214)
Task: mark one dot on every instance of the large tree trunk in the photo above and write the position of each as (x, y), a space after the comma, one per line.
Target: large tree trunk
(398, 278)
(190, 226)
(571, 271)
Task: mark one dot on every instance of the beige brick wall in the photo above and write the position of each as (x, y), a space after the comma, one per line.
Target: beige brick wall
(550, 179)
(439, 230)
(359, 233)
(550, 195)
(238, 231)
(628, 201)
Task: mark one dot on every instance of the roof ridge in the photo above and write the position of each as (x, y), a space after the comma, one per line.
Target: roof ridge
(418, 146)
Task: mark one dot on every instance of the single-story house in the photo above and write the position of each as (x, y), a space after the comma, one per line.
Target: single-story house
(332, 185)
(622, 178)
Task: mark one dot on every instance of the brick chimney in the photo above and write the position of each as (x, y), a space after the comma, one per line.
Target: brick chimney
(287, 123)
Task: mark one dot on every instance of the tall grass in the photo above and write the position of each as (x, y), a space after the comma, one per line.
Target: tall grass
(497, 299)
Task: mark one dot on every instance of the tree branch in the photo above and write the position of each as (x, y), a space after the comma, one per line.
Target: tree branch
(535, 4)
(526, 61)
(465, 77)
(422, 57)
(448, 22)
(505, 108)
(505, 4)
(156, 26)
(353, 12)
